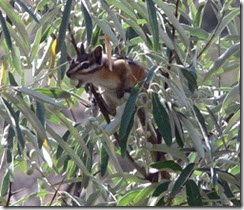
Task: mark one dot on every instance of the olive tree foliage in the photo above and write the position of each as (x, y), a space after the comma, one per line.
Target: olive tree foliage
(190, 100)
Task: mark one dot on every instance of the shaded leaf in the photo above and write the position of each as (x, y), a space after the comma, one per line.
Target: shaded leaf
(54, 92)
(192, 83)
(193, 194)
(64, 25)
(166, 164)
(5, 31)
(160, 189)
(127, 118)
(152, 16)
(5, 184)
(104, 161)
(88, 22)
(200, 118)
(27, 10)
(182, 178)
(15, 123)
(162, 119)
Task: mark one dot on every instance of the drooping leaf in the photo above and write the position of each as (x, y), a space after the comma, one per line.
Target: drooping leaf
(220, 61)
(35, 46)
(40, 113)
(104, 161)
(128, 118)
(192, 83)
(15, 123)
(152, 17)
(5, 184)
(88, 22)
(6, 31)
(115, 19)
(64, 24)
(198, 17)
(193, 194)
(31, 13)
(200, 118)
(162, 119)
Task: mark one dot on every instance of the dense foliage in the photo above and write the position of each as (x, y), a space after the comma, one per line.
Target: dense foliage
(190, 97)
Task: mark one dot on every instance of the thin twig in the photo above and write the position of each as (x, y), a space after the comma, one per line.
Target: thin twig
(9, 194)
(103, 110)
(212, 36)
(56, 191)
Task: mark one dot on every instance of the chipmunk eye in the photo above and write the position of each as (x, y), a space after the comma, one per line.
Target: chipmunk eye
(85, 65)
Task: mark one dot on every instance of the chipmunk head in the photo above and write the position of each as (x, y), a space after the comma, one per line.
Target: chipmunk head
(85, 64)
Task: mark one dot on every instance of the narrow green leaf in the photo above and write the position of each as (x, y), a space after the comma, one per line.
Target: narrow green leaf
(128, 197)
(27, 112)
(152, 17)
(193, 194)
(166, 164)
(70, 152)
(220, 61)
(230, 97)
(104, 161)
(5, 31)
(88, 161)
(214, 119)
(40, 113)
(10, 139)
(197, 32)
(115, 19)
(64, 25)
(12, 79)
(150, 75)
(60, 149)
(170, 13)
(31, 13)
(62, 63)
(15, 18)
(198, 19)
(227, 19)
(5, 184)
(54, 92)
(15, 123)
(229, 193)
(88, 22)
(35, 46)
(143, 194)
(183, 177)
(123, 7)
(200, 118)
(127, 118)
(162, 119)
(173, 151)
(160, 189)
(196, 140)
(92, 199)
(39, 96)
(178, 137)
(192, 83)
(106, 29)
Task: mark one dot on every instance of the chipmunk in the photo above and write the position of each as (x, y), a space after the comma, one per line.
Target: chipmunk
(94, 68)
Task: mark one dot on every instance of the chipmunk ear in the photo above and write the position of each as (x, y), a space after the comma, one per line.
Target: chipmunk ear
(81, 48)
(97, 53)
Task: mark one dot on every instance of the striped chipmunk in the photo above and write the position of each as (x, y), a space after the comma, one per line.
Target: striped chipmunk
(94, 68)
